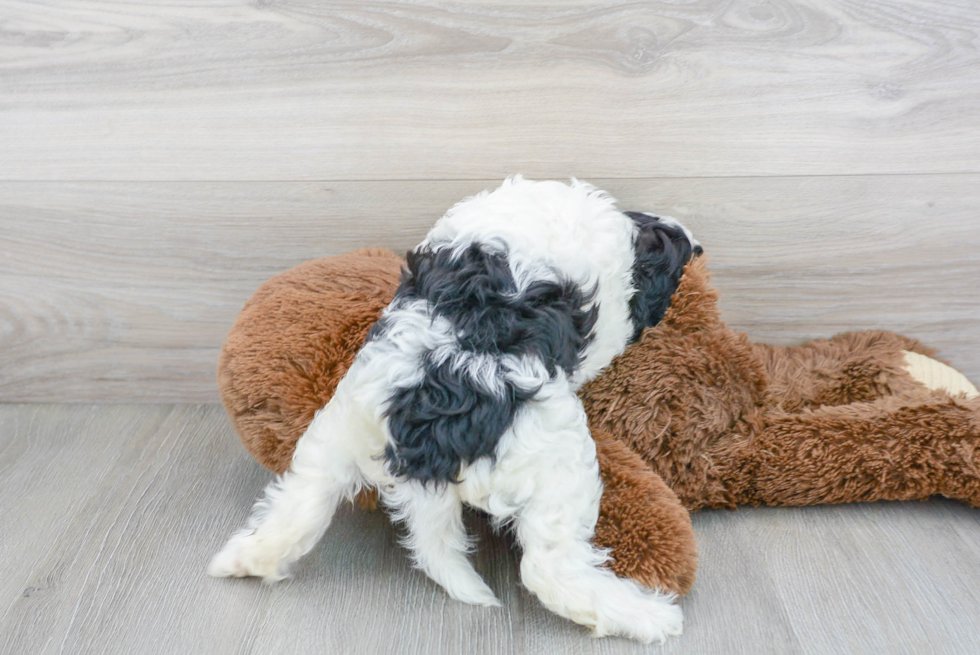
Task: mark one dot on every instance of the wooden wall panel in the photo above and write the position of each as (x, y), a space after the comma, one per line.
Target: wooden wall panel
(124, 291)
(308, 89)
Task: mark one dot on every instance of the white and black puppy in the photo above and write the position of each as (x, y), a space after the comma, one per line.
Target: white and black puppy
(465, 393)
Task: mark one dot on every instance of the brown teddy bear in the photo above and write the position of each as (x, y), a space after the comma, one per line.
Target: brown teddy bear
(693, 415)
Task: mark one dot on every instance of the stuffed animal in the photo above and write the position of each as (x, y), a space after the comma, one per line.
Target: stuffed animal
(692, 415)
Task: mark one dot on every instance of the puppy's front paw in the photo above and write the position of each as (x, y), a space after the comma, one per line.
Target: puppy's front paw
(249, 554)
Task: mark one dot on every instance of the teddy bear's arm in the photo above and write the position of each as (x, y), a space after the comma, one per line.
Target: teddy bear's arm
(890, 449)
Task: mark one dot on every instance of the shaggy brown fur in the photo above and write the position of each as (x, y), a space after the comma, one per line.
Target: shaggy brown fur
(693, 415)
(726, 422)
(642, 521)
(292, 343)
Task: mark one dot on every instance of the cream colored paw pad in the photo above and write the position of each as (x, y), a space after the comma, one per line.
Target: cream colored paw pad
(936, 375)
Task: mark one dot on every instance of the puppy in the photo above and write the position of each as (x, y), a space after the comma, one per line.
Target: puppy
(464, 392)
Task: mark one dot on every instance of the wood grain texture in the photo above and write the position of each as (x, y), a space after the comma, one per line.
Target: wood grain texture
(111, 513)
(307, 89)
(124, 291)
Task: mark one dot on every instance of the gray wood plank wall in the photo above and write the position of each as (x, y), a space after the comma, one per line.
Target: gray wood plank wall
(159, 161)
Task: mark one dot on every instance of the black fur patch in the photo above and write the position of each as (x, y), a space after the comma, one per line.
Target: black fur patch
(448, 420)
(444, 422)
(661, 252)
(477, 293)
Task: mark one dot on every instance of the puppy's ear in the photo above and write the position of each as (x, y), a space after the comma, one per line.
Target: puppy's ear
(661, 250)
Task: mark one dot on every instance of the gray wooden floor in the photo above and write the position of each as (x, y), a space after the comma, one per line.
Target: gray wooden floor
(109, 515)
(159, 161)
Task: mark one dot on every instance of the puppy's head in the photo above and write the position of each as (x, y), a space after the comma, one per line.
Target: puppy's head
(661, 250)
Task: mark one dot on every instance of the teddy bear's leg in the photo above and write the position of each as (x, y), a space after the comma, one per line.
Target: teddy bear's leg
(848, 368)
(891, 449)
(641, 521)
(553, 479)
(438, 539)
(297, 508)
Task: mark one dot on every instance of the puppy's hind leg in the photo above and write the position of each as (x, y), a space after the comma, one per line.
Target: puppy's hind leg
(438, 540)
(297, 508)
(555, 525)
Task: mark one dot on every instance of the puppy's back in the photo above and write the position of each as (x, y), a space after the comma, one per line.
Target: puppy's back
(523, 285)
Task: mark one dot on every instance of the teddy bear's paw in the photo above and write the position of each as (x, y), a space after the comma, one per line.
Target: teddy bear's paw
(651, 618)
(938, 376)
(248, 553)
